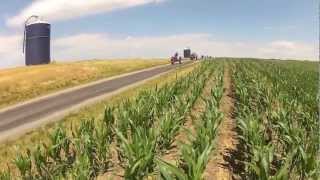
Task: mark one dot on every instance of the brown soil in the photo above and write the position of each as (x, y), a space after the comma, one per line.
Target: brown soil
(223, 162)
(116, 172)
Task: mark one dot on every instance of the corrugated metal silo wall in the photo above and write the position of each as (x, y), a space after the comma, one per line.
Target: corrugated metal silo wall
(37, 44)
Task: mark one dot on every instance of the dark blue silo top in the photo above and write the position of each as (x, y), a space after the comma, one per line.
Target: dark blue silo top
(37, 43)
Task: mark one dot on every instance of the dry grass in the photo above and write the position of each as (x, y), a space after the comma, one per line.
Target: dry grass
(20, 84)
(9, 150)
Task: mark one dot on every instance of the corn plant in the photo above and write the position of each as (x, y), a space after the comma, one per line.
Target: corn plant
(108, 126)
(92, 144)
(193, 167)
(139, 152)
(42, 163)
(59, 149)
(24, 164)
(169, 126)
(82, 168)
(5, 175)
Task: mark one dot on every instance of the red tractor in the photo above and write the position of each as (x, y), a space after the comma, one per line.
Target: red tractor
(176, 58)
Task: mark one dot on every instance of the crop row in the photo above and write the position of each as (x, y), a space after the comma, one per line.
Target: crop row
(195, 154)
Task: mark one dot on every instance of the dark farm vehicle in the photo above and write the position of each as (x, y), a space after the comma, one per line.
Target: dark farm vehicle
(194, 56)
(176, 58)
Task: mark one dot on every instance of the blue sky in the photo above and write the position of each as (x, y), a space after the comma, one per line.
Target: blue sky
(157, 28)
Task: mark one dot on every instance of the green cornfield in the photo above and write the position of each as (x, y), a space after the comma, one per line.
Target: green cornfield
(174, 131)
(277, 114)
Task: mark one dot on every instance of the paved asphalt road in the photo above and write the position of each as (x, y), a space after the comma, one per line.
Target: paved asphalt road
(27, 113)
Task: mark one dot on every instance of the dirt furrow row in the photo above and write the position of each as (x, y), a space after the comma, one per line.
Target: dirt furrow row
(222, 162)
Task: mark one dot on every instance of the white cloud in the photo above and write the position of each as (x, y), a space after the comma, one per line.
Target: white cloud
(103, 46)
(99, 46)
(10, 50)
(56, 10)
(289, 49)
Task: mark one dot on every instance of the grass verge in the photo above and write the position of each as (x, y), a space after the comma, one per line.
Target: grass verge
(24, 83)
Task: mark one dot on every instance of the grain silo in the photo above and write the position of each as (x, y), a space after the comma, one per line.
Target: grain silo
(36, 41)
(187, 53)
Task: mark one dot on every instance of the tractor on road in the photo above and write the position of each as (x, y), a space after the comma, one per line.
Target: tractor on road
(194, 56)
(176, 58)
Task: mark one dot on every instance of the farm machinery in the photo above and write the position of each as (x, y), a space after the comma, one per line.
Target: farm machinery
(193, 56)
(176, 58)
